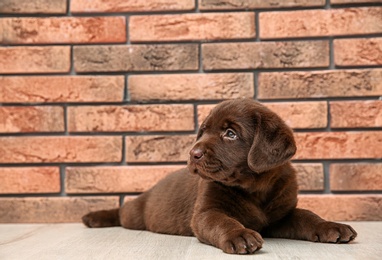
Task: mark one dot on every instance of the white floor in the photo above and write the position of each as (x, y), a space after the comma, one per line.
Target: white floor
(74, 241)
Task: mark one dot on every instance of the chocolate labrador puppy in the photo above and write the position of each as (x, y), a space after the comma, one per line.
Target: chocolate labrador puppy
(238, 187)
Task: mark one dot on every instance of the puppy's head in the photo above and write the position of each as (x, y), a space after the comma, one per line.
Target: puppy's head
(240, 137)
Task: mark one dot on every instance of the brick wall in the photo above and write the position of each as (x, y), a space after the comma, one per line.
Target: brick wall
(99, 99)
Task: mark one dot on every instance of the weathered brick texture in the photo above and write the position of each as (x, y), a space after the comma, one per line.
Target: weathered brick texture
(337, 145)
(257, 55)
(356, 114)
(64, 30)
(49, 149)
(358, 52)
(302, 114)
(209, 26)
(38, 89)
(356, 176)
(33, 7)
(310, 176)
(191, 86)
(353, 1)
(115, 179)
(310, 23)
(104, 97)
(131, 118)
(251, 4)
(15, 180)
(320, 84)
(31, 119)
(118, 6)
(48, 59)
(168, 57)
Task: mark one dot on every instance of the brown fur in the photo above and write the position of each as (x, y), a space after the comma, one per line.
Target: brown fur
(238, 187)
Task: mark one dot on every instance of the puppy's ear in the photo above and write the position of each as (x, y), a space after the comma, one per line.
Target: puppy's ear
(273, 143)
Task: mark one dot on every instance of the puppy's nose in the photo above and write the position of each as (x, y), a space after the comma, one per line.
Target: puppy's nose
(196, 154)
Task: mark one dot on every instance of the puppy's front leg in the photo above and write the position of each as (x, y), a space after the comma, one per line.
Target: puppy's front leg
(305, 225)
(213, 221)
(218, 229)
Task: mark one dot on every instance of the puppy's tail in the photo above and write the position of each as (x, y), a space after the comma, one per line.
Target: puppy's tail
(102, 218)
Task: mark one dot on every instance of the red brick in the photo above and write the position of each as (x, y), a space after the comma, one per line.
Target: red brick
(338, 2)
(185, 27)
(253, 55)
(158, 148)
(115, 179)
(129, 198)
(339, 145)
(310, 176)
(119, 6)
(62, 89)
(358, 52)
(29, 180)
(191, 86)
(319, 84)
(203, 112)
(117, 58)
(344, 207)
(64, 30)
(46, 149)
(48, 59)
(302, 114)
(33, 7)
(356, 113)
(312, 23)
(52, 210)
(296, 115)
(31, 119)
(254, 4)
(131, 118)
(356, 177)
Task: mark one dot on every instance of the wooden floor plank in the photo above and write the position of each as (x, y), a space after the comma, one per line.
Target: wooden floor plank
(74, 241)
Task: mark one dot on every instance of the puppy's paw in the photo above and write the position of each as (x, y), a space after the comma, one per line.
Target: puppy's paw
(243, 241)
(103, 218)
(91, 220)
(331, 232)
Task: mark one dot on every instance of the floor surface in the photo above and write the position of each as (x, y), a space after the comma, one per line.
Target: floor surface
(74, 241)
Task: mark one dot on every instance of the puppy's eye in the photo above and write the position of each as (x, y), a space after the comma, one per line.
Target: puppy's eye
(230, 134)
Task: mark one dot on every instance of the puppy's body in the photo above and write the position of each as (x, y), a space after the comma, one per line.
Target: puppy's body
(239, 184)
(158, 210)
